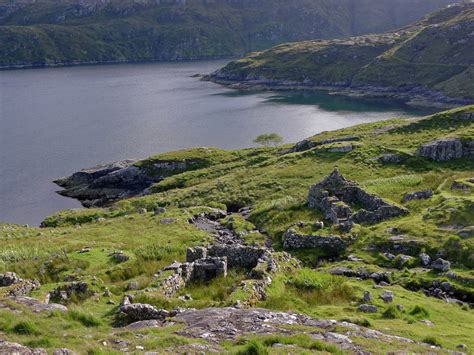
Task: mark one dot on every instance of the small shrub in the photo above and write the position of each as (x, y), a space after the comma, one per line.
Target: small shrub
(26, 328)
(391, 312)
(254, 347)
(420, 312)
(431, 340)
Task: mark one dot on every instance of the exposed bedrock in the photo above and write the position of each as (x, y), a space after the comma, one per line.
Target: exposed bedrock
(447, 149)
(104, 184)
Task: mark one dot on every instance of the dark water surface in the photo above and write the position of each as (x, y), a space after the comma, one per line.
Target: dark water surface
(54, 122)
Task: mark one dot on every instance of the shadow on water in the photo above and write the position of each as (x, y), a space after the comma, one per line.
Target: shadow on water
(332, 103)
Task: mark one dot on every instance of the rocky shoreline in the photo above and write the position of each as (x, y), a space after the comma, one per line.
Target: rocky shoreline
(419, 97)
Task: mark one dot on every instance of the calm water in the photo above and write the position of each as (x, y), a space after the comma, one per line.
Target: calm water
(54, 122)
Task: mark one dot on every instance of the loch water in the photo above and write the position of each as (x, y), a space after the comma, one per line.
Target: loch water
(56, 121)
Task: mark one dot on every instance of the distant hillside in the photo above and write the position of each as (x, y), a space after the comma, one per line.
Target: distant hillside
(50, 32)
(429, 61)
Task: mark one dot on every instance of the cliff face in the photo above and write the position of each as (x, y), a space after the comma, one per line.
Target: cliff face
(46, 32)
(433, 58)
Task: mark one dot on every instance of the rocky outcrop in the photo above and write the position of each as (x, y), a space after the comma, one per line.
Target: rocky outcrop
(104, 184)
(390, 158)
(220, 324)
(33, 304)
(330, 244)
(447, 149)
(307, 144)
(419, 195)
(8, 348)
(334, 194)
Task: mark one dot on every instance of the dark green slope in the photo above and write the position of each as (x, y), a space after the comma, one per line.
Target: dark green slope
(48, 32)
(430, 60)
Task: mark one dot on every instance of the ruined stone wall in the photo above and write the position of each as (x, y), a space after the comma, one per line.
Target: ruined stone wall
(330, 244)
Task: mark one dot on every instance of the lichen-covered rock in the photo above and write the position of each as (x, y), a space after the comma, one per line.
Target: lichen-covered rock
(18, 349)
(119, 256)
(390, 159)
(367, 308)
(442, 150)
(441, 265)
(425, 259)
(367, 297)
(387, 296)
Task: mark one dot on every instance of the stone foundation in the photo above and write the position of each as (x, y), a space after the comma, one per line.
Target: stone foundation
(329, 244)
(335, 194)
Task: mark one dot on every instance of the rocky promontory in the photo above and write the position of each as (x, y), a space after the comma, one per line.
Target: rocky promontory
(104, 184)
(428, 63)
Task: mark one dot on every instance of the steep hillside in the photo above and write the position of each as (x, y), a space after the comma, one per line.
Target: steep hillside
(48, 32)
(257, 251)
(429, 61)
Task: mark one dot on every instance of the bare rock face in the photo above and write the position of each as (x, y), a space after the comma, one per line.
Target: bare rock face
(446, 149)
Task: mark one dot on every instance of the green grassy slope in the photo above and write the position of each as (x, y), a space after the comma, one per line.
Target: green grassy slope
(275, 183)
(435, 54)
(51, 32)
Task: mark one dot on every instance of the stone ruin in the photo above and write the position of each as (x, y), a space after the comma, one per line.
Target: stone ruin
(206, 263)
(334, 195)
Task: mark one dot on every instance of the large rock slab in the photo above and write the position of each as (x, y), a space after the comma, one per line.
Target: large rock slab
(447, 149)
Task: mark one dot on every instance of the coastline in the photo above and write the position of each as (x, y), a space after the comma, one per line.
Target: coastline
(65, 64)
(416, 96)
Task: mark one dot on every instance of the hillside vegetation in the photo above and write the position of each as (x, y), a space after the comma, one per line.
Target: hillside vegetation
(381, 279)
(49, 32)
(429, 61)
